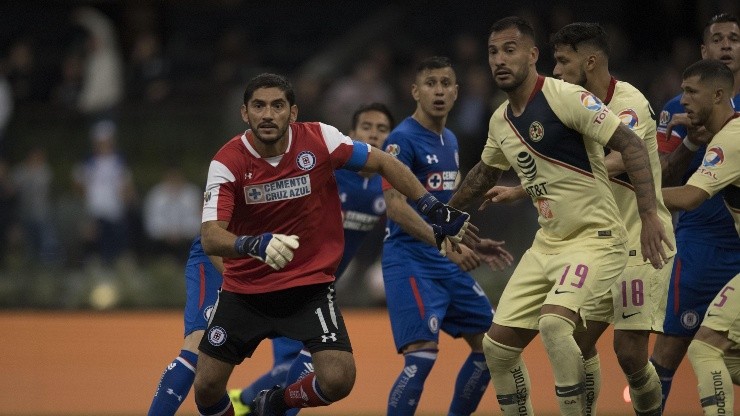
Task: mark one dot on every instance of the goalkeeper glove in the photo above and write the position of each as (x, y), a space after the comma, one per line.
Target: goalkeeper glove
(445, 220)
(274, 249)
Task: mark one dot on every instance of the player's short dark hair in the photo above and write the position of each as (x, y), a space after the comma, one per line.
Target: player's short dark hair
(433, 62)
(380, 107)
(267, 80)
(718, 18)
(517, 22)
(711, 70)
(582, 33)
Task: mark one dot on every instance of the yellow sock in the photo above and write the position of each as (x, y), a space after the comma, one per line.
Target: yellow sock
(715, 383)
(645, 391)
(592, 366)
(509, 376)
(567, 363)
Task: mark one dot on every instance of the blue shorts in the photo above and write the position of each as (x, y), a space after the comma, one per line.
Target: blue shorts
(419, 307)
(202, 282)
(699, 272)
(285, 350)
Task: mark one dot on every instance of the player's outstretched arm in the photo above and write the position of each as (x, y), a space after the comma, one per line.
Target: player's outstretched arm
(637, 164)
(675, 163)
(502, 194)
(445, 221)
(480, 179)
(686, 197)
(276, 250)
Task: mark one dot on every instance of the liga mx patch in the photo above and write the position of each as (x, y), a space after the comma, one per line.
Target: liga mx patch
(280, 190)
(217, 336)
(629, 118)
(393, 150)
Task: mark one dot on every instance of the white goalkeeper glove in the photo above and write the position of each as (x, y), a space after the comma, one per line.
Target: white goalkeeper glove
(274, 249)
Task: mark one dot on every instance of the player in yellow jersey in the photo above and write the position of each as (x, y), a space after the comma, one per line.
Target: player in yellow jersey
(707, 89)
(553, 134)
(636, 304)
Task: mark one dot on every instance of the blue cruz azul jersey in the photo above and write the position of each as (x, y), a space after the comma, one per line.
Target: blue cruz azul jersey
(362, 206)
(434, 159)
(710, 223)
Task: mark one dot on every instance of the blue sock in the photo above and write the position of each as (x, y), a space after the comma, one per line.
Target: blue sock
(406, 391)
(217, 409)
(471, 383)
(176, 381)
(666, 379)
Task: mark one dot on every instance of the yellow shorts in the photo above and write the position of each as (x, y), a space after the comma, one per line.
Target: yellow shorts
(575, 279)
(723, 314)
(637, 299)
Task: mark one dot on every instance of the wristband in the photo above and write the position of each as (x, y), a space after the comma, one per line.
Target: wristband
(239, 245)
(426, 202)
(690, 145)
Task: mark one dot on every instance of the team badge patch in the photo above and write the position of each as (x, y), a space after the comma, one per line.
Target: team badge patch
(433, 324)
(207, 196)
(379, 205)
(306, 160)
(393, 149)
(217, 336)
(590, 101)
(690, 319)
(208, 312)
(628, 117)
(714, 157)
(536, 131)
(665, 117)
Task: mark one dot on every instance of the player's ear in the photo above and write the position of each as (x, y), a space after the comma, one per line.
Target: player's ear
(243, 110)
(293, 113)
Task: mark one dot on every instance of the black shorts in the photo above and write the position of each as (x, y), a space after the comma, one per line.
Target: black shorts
(307, 313)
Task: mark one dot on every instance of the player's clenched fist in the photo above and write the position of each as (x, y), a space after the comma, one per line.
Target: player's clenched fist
(446, 221)
(274, 249)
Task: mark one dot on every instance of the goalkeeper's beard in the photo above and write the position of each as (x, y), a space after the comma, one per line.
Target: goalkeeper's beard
(270, 142)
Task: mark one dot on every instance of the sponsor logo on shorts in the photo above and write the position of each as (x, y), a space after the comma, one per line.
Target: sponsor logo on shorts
(433, 324)
(217, 336)
(690, 319)
(305, 160)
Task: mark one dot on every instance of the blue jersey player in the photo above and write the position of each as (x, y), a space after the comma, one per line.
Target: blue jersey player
(708, 248)
(362, 207)
(426, 290)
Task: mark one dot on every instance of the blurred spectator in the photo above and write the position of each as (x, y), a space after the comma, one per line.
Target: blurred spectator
(149, 69)
(102, 84)
(105, 181)
(22, 72)
(469, 118)
(7, 208)
(365, 84)
(67, 92)
(33, 179)
(172, 214)
(6, 107)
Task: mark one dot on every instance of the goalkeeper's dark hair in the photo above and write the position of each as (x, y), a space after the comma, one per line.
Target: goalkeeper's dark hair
(718, 18)
(380, 107)
(267, 80)
(523, 26)
(711, 70)
(434, 62)
(579, 34)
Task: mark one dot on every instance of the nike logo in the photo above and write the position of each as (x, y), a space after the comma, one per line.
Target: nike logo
(559, 292)
(627, 315)
(712, 314)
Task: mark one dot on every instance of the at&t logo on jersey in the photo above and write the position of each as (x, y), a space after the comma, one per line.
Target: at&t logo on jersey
(628, 117)
(306, 160)
(526, 163)
(279, 190)
(441, 181)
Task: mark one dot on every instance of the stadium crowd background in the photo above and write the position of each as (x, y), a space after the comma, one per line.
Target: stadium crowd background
(162, 82)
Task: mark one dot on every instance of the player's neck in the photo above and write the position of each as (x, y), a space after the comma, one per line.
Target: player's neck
(266, 149)
(737, 83)
(598, 84)
(519, 97)
(435, 124)
(719, 118)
